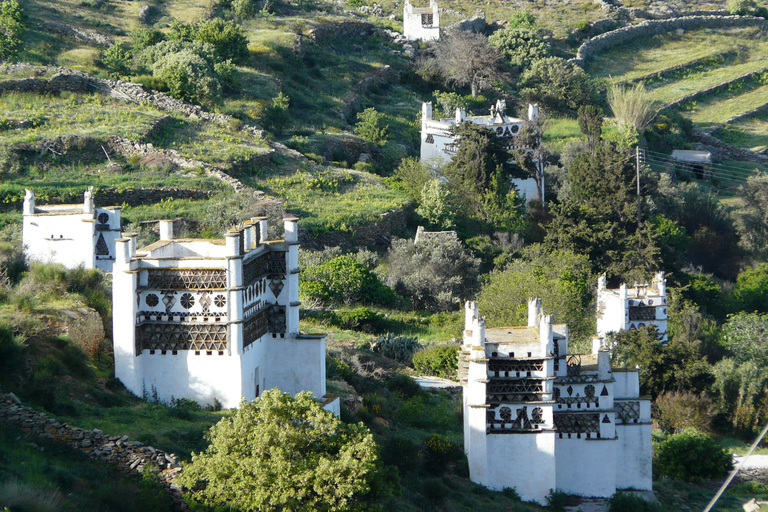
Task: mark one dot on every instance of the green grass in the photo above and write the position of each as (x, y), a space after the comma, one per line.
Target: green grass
(643, 56)
(738, 447)
(714, 111)
(333, 198)
(674, 90)
(751, 133)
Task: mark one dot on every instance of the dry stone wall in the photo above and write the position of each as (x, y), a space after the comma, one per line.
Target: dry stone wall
(723, 151)
(651, 28)
(129, 456)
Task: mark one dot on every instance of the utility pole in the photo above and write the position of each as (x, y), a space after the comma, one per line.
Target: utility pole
(640, 158)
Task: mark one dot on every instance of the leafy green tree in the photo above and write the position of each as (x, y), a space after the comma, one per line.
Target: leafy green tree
(117, 59)
(371, 126)
(435, 204)
(186, 32)
(745, 335)
(751, 290)
(470, 172)
(289, 454)
(410, 177)
(558, 84)
(144, 38)
(276, 116)
(520, 46)
(226, 37)
(692, 456)
(437, 274)
(244, 8)
(561, 279)
(605, 181)
(11, 26)
(344, 280)
(502, 207)
(449, 102)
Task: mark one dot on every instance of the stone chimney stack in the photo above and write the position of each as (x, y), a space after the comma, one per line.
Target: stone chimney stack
(166, 229)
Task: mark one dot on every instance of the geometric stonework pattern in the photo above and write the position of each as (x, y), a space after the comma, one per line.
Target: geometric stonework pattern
(101, 246)
(103, 218)
(205, 301)
(514, 366)
(186, 278)
(642, 313)
(176, 336)
(628, 412)
(578, 400)
(187, 300)
(168, 301)
(505, 391)
(151, 300)
(504, 424)
(276, 319)
(220, 301)
(268, 264)
(574, 423)
(255, 327)
(276, 285)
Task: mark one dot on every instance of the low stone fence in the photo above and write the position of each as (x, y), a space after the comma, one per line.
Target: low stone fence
(710, 90)
(653, 27)
(78, 34)
(376, 233)
(723, 151)
(129, 456)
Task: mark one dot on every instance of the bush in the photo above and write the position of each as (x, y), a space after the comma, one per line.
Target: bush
(11, 27)
(399, 348)
(117, 60)
(364, 319)
(344, 280)
(434, 490)
(11, 356)
(692, 456)
(680, 410)
(520, 46)
(226, 37)
(437, 274)
(437, 360)
(276, 115)
(439, 452)
(404, 386)
(371, 128)
(144, 38)
(626, 502)
(400, 452)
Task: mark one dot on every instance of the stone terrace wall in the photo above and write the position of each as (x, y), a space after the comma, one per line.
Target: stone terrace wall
(650, 28)
(129, 456)
(377, 233)
(723, 151)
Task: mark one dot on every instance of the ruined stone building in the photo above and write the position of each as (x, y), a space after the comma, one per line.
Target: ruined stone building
(625, 308)
(538, 419)
(70, 234)
(421, 22)
(439, 146)
(213, 319)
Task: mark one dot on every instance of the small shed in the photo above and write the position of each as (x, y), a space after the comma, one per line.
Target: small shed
(697, 162)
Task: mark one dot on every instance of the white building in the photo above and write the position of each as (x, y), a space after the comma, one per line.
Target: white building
(421, 22)
(632, 308)
(213, 319)
(439, 146)
(70, 234)
(538, 419)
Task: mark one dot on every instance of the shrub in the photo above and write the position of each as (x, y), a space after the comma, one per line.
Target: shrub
(276, 115)
(371, 128)
(438, 360)
(692, 456)
(680, 410)
(11, 27)
(21, 496)
(364, 319)
(520, 46)
(626, 502)
(144, 38)
(226, 37)
(434, 490)
(399, 348)
(436, 274)
(117, 60)
(11, 356)
(344, 280)
(404, 386)
(439, 452)
(401, 452)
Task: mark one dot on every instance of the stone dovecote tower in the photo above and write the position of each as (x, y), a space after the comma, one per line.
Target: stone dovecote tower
(421, 22)
(213, 319)
(71, 234)
(537, 418)
(622, 309)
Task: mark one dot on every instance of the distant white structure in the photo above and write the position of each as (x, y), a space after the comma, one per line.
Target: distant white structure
(71, 234)
(538, 419)
(213, 319)
(625, 308)
(697, 162)
(439, 146)
(421, 22)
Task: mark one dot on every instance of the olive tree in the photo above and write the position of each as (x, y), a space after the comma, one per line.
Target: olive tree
(466, 59)
(284, 453)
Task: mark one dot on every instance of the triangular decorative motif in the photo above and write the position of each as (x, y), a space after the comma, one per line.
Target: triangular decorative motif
(205, 302)
(606, 419)
(430, 139)
(604, 392)
(101, 246)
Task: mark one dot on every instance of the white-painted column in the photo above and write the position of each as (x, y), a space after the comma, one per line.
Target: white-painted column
(166, 229)
(124, 283)
(292, 266)
(235, 292)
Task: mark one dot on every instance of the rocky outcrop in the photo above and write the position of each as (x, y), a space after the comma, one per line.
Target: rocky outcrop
(77, 34)
(651, 28)
(129, 456)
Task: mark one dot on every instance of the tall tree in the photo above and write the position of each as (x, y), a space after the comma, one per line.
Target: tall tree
(464, 58)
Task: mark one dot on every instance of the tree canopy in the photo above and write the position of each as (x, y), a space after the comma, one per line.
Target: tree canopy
(283, 453)
(465, 58)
